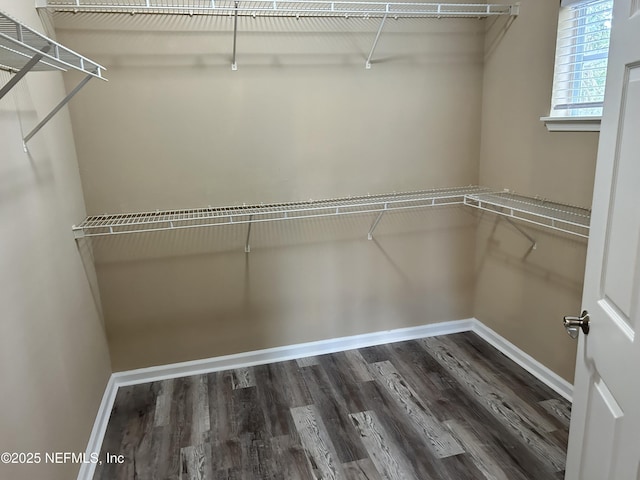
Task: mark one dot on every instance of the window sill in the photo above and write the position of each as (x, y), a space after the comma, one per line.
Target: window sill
(572, 124)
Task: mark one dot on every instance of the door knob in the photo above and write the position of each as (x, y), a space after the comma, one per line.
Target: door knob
(574, 324)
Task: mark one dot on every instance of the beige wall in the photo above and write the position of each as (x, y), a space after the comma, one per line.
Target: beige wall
(523, 296)
(194, 294)
(301, 118)
(54, 362)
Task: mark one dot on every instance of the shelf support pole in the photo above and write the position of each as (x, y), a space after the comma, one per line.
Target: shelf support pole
(23, 71)
(375, 42)
(57, 108)
(375, 223)
(247, 245)
(234, 65)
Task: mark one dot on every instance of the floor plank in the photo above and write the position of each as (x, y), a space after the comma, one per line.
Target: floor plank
(559, 409)
(480, 456)
(387, 457)
(402, 432)
(196, 463)
(438, 438)
(290, 460)
(361, 470)
(315, 439)
(243, 378)
(335, 414)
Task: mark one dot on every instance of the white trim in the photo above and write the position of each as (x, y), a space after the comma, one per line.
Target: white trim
(572, 124)
(321, 347)
(99, 428)
(288, 352)
(526, 361)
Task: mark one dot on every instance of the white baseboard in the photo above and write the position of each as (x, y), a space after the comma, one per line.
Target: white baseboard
(290, 352)
(526, 361)
(99, 428)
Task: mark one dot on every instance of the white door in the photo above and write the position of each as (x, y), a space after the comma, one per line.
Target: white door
(604, 439)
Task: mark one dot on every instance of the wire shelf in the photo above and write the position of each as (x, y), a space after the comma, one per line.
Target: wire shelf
(126, 223)
(285, 8)
(557, 216)
(19, 43)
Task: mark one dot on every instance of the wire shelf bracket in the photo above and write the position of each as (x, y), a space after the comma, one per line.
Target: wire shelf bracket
(55, 110)
(234, 65)
(375, 223)
(23, 49)
(534, 243)
(375, 42)
(247, 244)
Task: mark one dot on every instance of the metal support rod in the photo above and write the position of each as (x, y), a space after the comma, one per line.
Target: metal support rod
(375, 42)
(375, 223)
(64, 101)
(234, 65)
(23, 71)
(247, 246)
(522, 232)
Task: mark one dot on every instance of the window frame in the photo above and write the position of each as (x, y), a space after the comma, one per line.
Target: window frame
(574, 122)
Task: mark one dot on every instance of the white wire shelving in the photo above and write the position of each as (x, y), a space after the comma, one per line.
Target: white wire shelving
(542, 212)
(284, 8)
(19, 43)
(22, 49)
(127, 223)
(565, 218)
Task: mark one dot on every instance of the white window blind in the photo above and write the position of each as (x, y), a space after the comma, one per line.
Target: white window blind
(581, 58)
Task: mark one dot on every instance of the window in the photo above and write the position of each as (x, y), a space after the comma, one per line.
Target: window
(581, 58)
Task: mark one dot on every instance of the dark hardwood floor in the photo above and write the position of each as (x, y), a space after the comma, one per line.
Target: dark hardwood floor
(449, 407)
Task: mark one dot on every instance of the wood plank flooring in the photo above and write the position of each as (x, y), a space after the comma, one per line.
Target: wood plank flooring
(449, 407)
